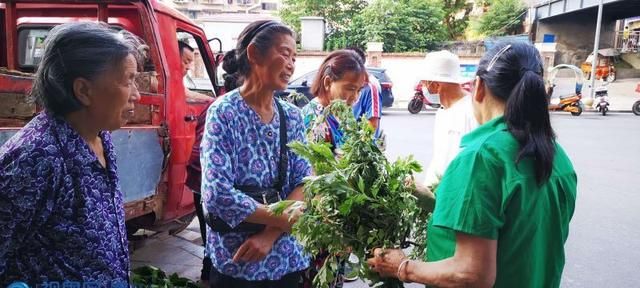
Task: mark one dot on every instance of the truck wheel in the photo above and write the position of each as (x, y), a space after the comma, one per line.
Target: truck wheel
(415, 105)
(636, 108)
(185, 221)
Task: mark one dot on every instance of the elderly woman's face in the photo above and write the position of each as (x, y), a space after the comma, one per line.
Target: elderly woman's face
(114, 94)
(277, 65)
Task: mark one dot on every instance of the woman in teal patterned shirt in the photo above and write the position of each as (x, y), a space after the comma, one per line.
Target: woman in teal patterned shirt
(340, 77)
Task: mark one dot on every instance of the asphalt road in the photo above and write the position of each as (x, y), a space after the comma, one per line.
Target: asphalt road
(603, 249)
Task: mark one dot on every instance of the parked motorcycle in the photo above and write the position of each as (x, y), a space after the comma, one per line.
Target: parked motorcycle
(569, 103)
(636, 106)
(601, 103)
(419, 101)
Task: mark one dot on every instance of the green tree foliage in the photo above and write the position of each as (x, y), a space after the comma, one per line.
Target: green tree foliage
(504, 17)
(456, 17)
(337, 13)
(403, 25)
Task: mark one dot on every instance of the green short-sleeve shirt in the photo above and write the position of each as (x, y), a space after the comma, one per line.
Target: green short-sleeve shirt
(484, 193)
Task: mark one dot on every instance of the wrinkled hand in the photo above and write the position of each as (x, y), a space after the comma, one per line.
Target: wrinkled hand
(386, 262)
(426, 198)
(293, 213)
(257, 246)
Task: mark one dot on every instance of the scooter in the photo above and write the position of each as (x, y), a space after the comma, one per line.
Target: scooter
(569, 103)
(601, 102)
(636, 106)
(419, 101)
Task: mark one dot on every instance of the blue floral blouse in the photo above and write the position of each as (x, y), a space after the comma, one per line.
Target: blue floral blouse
(238, 149)
(61, 211)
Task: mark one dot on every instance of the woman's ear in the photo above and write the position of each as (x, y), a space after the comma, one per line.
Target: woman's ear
(253, 54)
(479, 90)
(326, 83)
(82, 90)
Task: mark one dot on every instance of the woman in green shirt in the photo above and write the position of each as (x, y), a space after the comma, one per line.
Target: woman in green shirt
(504, 204)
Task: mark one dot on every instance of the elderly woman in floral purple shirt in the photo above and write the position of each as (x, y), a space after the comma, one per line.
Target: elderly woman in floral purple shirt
(241, 147)
(61, 210)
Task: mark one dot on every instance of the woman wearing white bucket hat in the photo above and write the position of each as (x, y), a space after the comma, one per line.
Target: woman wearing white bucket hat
(441, 76)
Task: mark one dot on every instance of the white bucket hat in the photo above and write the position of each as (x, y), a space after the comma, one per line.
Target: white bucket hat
(442, 66)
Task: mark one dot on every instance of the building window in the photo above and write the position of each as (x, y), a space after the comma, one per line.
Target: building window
(244, 2)
(269, 6)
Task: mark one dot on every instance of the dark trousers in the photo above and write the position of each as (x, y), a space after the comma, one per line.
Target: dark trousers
(218, 279)
(206, 261)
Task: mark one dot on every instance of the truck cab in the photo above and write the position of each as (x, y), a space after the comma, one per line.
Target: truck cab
(153, 149)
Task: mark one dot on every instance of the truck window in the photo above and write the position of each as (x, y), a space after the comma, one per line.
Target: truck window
(31, 46)
(31, 49)
(196, 77)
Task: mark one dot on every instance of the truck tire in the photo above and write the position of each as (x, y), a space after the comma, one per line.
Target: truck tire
(185, 220)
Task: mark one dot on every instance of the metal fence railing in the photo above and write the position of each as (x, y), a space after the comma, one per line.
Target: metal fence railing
(627, 43)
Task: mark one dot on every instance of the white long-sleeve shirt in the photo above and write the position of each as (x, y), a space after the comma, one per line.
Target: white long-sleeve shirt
(450, 125)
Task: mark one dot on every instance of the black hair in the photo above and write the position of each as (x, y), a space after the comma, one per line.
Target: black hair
(76, 50)
(360, 53)
(183, 45)
(260, 33)
(230, 79)
(513, 74)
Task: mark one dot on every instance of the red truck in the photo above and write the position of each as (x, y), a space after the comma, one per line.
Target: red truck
(153, 149)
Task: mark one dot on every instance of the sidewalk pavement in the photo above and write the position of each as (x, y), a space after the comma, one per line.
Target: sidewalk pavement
(181, 253)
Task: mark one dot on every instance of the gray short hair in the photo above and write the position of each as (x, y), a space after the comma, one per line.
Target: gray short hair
(74, 50)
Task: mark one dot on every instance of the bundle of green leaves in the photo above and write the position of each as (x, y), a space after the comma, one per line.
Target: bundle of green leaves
(150, 276)
(356, 201)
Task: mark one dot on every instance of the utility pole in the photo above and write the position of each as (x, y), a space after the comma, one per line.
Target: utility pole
(596, 47)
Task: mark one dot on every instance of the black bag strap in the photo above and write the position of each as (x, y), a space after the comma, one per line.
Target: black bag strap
(284, 158)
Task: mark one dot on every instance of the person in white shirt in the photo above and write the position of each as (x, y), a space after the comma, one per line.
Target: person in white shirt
(441, 79)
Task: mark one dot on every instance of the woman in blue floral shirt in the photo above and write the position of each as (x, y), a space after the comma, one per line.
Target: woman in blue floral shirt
(61, 210)
(241, 147)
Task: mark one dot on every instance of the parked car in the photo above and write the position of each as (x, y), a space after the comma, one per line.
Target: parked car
(303, 84)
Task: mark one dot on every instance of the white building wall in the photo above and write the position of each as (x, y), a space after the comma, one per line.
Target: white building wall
(227, 32)
(312, 33)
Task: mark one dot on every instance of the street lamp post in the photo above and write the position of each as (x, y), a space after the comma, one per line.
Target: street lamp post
(596, 47)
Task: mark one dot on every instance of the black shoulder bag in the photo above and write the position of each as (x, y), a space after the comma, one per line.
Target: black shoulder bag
(262, 195)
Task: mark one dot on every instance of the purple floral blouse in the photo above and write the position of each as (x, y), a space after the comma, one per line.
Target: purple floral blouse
(238, 149)
(61, 212)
